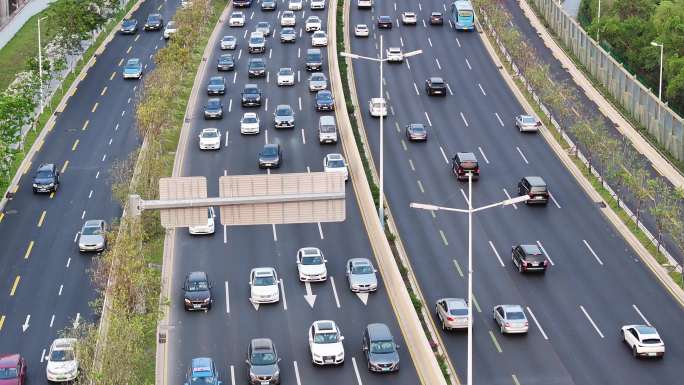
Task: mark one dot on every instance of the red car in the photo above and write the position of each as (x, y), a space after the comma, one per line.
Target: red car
(12, 369)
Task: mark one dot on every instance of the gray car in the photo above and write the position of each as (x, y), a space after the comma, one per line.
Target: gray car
(510, 318)
(361, 275)
(288, 35)
(379, 348)
(93, 236)
(264, 27)
(452, 313)
(317, 81)
(284, 116)
(263, 360)
(216, 86)
(526, 123)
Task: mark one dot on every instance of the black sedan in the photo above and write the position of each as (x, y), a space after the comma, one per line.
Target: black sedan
(435, 86)
(154, 22)
(197, 291)
(384, 22)
(216, 86)
(226, 62)
(213, 109)
(256, 68)
(416, 132)
(270, 156)
(325, 101)
(129, 27)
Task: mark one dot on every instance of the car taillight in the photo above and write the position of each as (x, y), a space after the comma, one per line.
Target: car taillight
(477, 170)
(450, 319)
(524, 263)
(546, 263)
(526, 324)
(460, 169)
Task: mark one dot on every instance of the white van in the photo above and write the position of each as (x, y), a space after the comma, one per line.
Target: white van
(327, 129)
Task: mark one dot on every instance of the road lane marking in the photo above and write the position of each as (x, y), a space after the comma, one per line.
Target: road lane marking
(52, 321)
(482, 89)
(592, 252)
(464, 119)
(441, 234)
(401, 41)
(303, 137)
(73, 148)
(545, 253)
(83, 214)
(121, 62)
(464, 196)
(496, 253)
(116, 128)
(515, 379)
(61, 287)
(337, 299)
(2, 215)
(104, 90)
(415, 86)
(499, 119)
(41, 219)
(534, 318)
(411, 164)
(420, 186)
(356, 370)
(2, 321)
(227, 299)
(282, 292)
(320, 230)
(483, 155)
(14, 286)
(137, 37)
(94, 107)
(68, 262)
(275, 235)
(130, 47)
(97, 175)
(28, 249)
(554, 200)
(225, 227)
(496, 343)
(438, 65)
(123, 113)
(592, 321)
(521, 154)
(85, 125)
(449, 89)
(468, 64)
(641, 315)
(403, 144)
(429, 41)
(444, 155)
(296, 369)
(104, 157)
(477, 305)
(458, 268)
(112, 77)
(235, 76)
(515, 206)
(232, 374)
(428, 119)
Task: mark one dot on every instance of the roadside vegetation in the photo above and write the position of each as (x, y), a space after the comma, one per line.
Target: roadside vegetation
(121, 349)
(619, 167)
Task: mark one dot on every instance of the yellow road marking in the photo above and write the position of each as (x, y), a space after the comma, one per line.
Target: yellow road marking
(120, 62)
(40, 144)
(2, 215)
(86, 123)
(73, 148)
(403, 144)
(42, 218)
(74, 91)
(103, 91)
(129, 49)
(515, 379)
(112, 77)
(52, 195)
(411, 164)
(30, 246)
(66, 164)
(27, 168)
(496, 343)
(420, 186)
(94, 107)
(458, 267)
(14, 287)
(2, 321)
(15, 189)
(477, 305)
(441, 233)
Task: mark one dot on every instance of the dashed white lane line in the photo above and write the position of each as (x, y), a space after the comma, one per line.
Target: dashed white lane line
(52, 321)
(104, 157)
(68, 262)
(420, 7)
(483, 155)
(451, 25)
(444, 155)
(464, 119)
(438, 65)
(227, 299)
(83, 215)
(320, 230)
(407, 64)
(499, 119)
(268, 77)
(641, 315)
(266, 136)
(300, 103)
(553, 198)
(230, 105)
(413, 168)
(303, 137)
(97, 175)
(225, 233)
(420, 186)
(429, 41)
(299, 53)
(458, 268)
(116, 128)
(42, 356)
(534, 318)
(509, 197)
(482, 89)
(296, 369)
(592, 321)
(522, 155)
(401, 41)
(75, 238)
(356, 370)
(90, 195)
(395, 6)
(225, 144)
(449, 89)
(415, 86)
(592, 252)
(282, 294)
(491, 244)
(266, 105)
(468, 64)
(337, 299)
(234, 77)
(457, 41)
(428, 119)
(275, 235)
(232, 374)
(61, 287)
(545, 253)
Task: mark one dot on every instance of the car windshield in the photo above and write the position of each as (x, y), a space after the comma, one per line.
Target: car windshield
(315, 260)
(91, 230)
(228, 39)
(43, 174)
(284, 111)
(417, 128)
(197, 286)
(257, 39)
(210, 134)
(132, 64)
(515, 315)
(286, 72)
(216, 81)
(380, 347)
(256, 64)
(335, 163)
(213, 104)
(324, 96)
(325, 338)
(171, 24)
(262, 25)
(538, 189)
(287, 31)
(458, 312)
(314, 56)
(317, 77)
(263, 358)
(62, 355)
(528, 119)
(128, 23)
(251, 90)
(362, 269)
(249, 119)
(268, 280)
(8, 373)
(153, 18)
(226, 58)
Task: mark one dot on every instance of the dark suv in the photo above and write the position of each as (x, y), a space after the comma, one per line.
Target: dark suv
(256, 68)
(197, 291)
(46, 179)
(379, 348)
(314, 59)
(529, 258)
(251, 96)
(435, 86)
(385, 22)
(535, 187)
(464, 163)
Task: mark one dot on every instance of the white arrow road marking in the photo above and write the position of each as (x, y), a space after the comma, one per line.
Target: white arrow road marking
(26, 323)
(337, 299)
(282, 294)
(228, 299)
(309, 297)
(77, 320)
(255, 304)
(363, 297)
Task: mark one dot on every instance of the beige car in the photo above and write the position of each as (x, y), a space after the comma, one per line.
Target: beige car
(452, 313)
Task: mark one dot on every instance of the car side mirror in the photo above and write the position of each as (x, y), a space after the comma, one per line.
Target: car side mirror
(279, 359)
(365, 348)
(298, 262)
(375, 270)
(47, 358)
(325, 260)
(396, 346)
(341, 338)
(247, 362)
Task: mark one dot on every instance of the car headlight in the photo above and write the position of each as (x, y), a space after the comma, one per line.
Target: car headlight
(35, 185)
(187, 301)
(276, 374)
(317, 356)
(252, 375)
(207, 300)
(340, 356)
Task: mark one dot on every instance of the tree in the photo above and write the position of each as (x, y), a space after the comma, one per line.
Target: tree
(75, 20)
(664, 202)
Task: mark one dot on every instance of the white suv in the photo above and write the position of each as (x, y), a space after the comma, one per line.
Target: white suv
(62, 364)
(394, 54)
(325, 343)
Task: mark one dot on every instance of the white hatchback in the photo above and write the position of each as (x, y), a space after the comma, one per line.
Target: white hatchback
(210, 139)
(249, 124)
(263, 283)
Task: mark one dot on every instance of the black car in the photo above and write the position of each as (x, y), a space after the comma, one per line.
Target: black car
(129, 27)
(270, 156)
(269, 5)
(436, 18)
(529, 258)
(256, 68)
(197, 291)
(226, 62)
(262, 358)
(46, 178)
(251, 96)
(325, 101)
(416, 132)
(154, 22)
(535, 187)
(464, 163)
(216, 86)
(435, 86)
(384, 22)
(213, 109)
(314, 59)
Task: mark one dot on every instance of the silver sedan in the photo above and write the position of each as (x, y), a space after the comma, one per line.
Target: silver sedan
(93, 236)
(361, 275)
(452, 313)
(511, 319)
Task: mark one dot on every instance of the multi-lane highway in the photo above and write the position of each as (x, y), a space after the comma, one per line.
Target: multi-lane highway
(225, 331)
(45, 283)
(596, 282)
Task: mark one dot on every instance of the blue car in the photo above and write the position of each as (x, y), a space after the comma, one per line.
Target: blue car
(202, 372)
(133, 69)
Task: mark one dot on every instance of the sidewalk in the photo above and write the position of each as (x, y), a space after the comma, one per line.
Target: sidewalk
(10, 29)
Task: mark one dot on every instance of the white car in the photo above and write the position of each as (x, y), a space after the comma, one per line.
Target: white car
(62, 364)
(237, 19)
(185, 4)
(311, 265)
(210, 139)
(643, 340)
(394, 54)
(361, 30)
(408, 18)
(295, 5)
(249, 124)
(170, 29)
(209, 228)
(319, 39)
(313, 23)
(228, 42)
(317, 4)
(335, 163)
(286, 77)
(288, 19)
(325, 343)
(377, 107)
(510, 318)
(263, 283)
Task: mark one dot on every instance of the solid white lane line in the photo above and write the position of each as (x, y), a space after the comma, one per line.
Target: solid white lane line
(337, 299)
(438, 65)
(444, 155)
(282, 294)
(641, 315)
(496, 253)
(468, 64)
(509, 197)
(296, 369)
(232, 374)
(483, 155)
(482, 89)
(275, 235)
(592, 252)
(537, 323)
(545, 253)
(521, 154)
(592, 321)
(553, 198)
(225, 233)
(415, 86)
(227, 299)
(499, 118)
(356, 370)
(464, 119)
(428, 119)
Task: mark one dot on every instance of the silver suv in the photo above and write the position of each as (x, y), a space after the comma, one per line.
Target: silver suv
(263, 360)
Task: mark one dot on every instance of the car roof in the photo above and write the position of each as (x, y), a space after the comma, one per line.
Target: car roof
(9, 360)
(283, 106)
(535, 181)
(63, 344)
(512, 308)
(466, 157)
(456, 303)
(263, 271)
(334, 156)
(263, 23)
(323, 92)
(383, 17)
(531, 249)
(197, 276)
(378, 331)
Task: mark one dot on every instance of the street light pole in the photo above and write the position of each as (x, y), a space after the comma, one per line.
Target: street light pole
(660, 83)
(40, 65)
(381, 206)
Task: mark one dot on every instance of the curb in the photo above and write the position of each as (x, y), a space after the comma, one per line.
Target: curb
(645, 256)
(424, 360)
